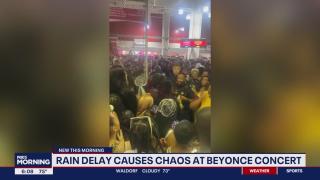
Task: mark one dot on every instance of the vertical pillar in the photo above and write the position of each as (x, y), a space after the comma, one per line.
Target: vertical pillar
(195, 32)
(146, 25)
(165, 33)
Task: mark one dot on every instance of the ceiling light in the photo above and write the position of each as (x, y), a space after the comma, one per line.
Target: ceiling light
(180, 11)
(205, 9)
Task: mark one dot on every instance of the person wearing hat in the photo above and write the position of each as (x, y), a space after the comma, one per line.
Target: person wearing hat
(194, 81)
(166, 115)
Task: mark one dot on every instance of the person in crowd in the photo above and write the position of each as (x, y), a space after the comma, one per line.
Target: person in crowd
(200, 67)
(185, 134)
(203, 126)
(203, 98)
(117, 79)
(194, 81)
(119, 86)
(205, 73)
(156, 70)
(145, 104)
(144, 136)
(166, 115)
(184, 97)
(117, 105)
(155, 81)
(166, 90)
(125, 125)
(176, 70)
(117, 140)
(205, 83)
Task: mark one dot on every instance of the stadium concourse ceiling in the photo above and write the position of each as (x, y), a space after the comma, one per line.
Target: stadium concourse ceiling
(159, 5)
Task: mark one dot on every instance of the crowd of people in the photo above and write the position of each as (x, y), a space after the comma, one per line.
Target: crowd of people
(164, 108)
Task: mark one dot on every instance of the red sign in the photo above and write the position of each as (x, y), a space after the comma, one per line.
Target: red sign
(259, 171)
(187, 43)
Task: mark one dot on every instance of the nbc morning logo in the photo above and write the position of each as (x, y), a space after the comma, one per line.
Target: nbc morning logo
(33, 160)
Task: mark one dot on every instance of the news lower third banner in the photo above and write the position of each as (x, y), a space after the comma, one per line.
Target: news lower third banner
(71, 158)
(178, 160)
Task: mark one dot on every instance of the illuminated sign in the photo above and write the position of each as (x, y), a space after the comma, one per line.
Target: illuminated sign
(193, 43)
